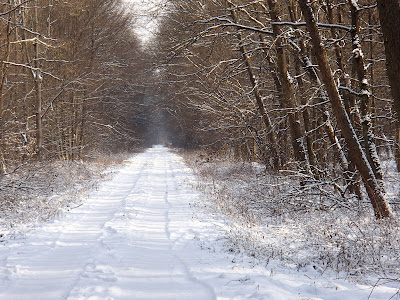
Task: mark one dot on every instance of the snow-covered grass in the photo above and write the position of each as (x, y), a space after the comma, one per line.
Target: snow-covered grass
(270, 217)
(147, 234)
(33, 193)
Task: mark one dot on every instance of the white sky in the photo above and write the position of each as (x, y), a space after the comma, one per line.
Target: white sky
(147, 12)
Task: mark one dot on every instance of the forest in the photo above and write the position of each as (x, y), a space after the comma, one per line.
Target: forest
(307, 88)
(307, 91)
(69, 80)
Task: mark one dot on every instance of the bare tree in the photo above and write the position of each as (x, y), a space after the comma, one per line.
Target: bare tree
(66, 88)
(374, 188)
(389, 15)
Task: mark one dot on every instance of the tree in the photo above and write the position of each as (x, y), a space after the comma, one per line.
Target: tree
(249, 78)
(66, 84)
(389, 16)
(374, 188)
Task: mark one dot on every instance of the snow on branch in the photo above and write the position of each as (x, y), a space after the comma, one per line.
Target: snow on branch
(30, 68)
(14, 8)
(323, 25)
(351, 91)
(233, 24)
(32, 40)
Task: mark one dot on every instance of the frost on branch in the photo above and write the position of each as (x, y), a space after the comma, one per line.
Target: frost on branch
(358, 53)
(354, 3)
(39, 192)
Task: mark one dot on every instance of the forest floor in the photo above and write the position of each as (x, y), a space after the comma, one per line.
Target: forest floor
(149, 232)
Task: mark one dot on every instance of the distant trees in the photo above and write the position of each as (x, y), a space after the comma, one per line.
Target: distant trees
(69, 79)
(299, 85)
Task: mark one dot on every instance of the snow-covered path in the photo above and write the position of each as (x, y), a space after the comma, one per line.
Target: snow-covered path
(118, 245)
(137, 237)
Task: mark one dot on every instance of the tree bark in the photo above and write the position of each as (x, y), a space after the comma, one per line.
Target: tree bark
(301, 60)
(389, 15)
(37, 77)
(397, 146)
(3, 76)
(349, 99)
(288, 94)
(374, 189)
(364, 93)
(260, 104)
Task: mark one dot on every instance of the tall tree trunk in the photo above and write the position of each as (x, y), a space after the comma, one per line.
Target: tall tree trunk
(374, 189)
(389, 15)
(39, 124)
(260, 104)
(3, 76)
(364, 93)
(301, 61)
(288, 93)
(5, 57)
(36, 75)
(397, 145)
(349, 99)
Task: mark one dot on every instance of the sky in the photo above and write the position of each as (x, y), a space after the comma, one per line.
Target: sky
(146, 12)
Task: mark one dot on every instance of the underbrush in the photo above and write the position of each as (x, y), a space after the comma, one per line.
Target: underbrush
(275, 217)
(37, 192)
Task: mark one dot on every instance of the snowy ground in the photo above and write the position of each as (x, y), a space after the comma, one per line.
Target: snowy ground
(143, 235)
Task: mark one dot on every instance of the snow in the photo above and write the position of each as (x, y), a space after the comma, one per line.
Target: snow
(358, 53)
(144, 235)
(354, 3)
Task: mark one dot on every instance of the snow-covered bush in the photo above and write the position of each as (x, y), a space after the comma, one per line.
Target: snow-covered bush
(40, 191)
(275, 216)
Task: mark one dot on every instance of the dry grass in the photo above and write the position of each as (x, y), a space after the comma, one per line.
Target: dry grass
(111, 159)
(274, 217)
(40, 191)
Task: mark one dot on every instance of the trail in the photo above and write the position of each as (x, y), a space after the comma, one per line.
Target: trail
(118, 245)
(145, 235)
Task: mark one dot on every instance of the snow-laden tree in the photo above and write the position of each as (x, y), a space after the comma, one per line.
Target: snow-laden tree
(70, 75)
(307, 96)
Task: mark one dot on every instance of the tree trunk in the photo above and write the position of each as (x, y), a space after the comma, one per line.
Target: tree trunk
(288, 94)
(39, 126)
(397, 146)
(3, 76)
(260, 104)
(364, 93)
(301, 60)
(5, 58)
(374, 189)
(37, 78)
(349, 99)
(389, 15)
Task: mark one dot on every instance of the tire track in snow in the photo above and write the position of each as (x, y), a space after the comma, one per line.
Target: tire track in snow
(58, 251)
(168, 205)
(169, 173)
(116, 246)
(91, 267)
